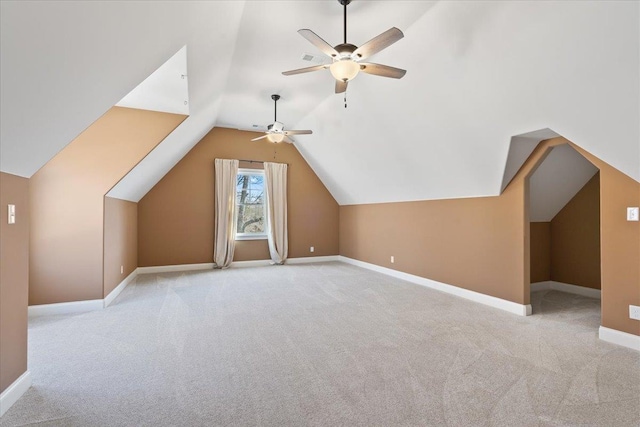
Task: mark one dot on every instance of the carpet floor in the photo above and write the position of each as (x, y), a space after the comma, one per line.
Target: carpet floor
(325, 344)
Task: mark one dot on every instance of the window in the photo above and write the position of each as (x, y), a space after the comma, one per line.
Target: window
(251, 216)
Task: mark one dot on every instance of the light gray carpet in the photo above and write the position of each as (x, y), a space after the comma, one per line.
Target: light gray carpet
(327, 345)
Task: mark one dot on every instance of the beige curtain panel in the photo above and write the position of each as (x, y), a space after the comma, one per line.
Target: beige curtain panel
(226, 172)
(276, 188)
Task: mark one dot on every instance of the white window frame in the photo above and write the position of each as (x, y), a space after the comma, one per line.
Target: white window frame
(251, 236)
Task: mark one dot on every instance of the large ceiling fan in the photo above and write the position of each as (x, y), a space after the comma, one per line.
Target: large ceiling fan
(346, 57)
(275, 131)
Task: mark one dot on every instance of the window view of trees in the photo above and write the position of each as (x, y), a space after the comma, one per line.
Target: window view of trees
(250, 214)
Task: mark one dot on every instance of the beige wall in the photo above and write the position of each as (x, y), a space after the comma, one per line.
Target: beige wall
(483, 244)
(575, 238)
(67, 197)
(540, 251)
(14, 278)
(120, 241)
(176, 218)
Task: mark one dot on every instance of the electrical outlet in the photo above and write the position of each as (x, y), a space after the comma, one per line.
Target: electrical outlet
(393, 259)
(311, 249)
(634, 312)
(121, 269)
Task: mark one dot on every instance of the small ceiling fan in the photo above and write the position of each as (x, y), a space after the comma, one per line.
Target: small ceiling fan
(346, 57)
(275, 131)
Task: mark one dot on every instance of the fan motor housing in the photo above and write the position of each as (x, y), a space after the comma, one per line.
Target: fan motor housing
(345, 49)
(275, 127)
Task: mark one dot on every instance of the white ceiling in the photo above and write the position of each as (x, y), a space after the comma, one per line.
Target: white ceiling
(479, 73)
(554, 183)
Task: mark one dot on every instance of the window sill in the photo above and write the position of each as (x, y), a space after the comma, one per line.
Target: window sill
(252, 237)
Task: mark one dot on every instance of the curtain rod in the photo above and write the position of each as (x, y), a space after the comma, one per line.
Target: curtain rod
(256, 161)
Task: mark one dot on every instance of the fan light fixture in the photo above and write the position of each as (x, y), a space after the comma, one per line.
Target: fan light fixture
(344, 69)
(275, 137)
(275, 131)
(346, 57)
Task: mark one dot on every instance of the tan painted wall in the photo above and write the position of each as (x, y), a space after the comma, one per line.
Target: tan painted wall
(540, 251)
(14, 279)
(619, 246)
(475, 243)
(175, 219)
(120, 241)
(575, 238)
(67, 197)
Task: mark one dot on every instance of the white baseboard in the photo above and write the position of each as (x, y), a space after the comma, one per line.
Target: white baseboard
(236, 264)
(511, 307)
(565, 287)
(75, 307)
(118, 289)
(72, 307)
(174, 268)
(251, 263)
(618, 337)
(289, 261)
(313, 259)
(540, 286)
(14, 392)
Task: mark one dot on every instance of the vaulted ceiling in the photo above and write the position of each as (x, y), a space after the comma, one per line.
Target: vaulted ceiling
(479, 73)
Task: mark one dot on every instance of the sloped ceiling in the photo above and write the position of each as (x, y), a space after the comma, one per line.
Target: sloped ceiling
(64, 64)
(554, 183)
(267, 44)
(478, 74)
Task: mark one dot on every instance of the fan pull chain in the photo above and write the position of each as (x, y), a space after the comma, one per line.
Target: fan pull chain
(345, 99)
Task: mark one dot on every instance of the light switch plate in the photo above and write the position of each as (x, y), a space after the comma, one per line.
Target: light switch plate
(633, 214)
(634, 312)
(11, 214)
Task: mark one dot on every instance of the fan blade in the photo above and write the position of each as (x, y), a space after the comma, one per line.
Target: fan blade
(378, 43)
(297, 132)
(260, 137)
(304, 70)
(382, 70)
(318, 42)
(341, 86)
(254, 130)
(288, 140)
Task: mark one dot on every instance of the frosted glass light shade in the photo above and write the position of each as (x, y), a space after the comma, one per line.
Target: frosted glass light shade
(275, 137)
(344, 69)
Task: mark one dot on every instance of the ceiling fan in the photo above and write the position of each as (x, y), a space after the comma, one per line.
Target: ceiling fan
(275, 131)
(346, 57)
